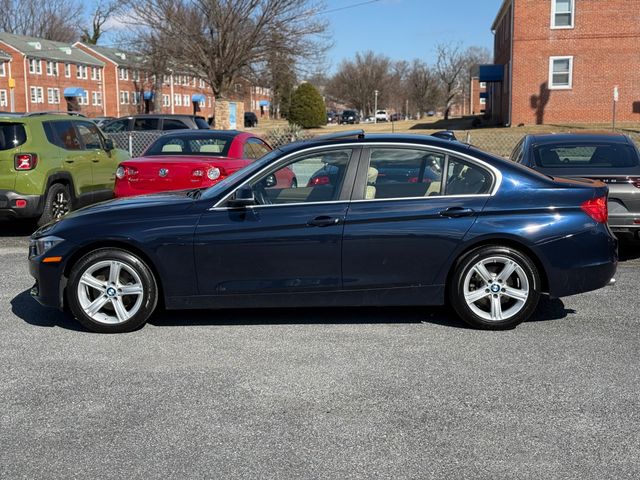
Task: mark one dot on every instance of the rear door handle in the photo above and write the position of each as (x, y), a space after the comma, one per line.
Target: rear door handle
(324, 221)
(457, 212)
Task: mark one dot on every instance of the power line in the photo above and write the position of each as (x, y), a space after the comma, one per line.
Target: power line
(347, 7)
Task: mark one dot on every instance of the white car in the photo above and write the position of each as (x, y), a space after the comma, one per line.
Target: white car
(382, 116)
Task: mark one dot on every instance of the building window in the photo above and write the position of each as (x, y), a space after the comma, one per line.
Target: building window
(96, 73)
(3, 72)
(560, 72)
(82, 71)
(165, 79)
(177, 100)
(135, 75)
(123, 73)
(37, 95)
(35, 66)
(166, 101)
(124, 97)
(483, 84)
(201, 83)
(96, 98)
(53, 96)
(83, 99)
(67, 70)
(562, 12)
(483, 101)
(3, 98)
(52, 69)
(135, 98)
(185, 100)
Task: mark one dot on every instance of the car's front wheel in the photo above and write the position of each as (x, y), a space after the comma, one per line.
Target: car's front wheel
(112, 291)
(495, 288)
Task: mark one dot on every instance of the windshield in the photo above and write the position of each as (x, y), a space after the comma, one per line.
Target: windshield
(585, 155)
(193, 144)
(239, 175)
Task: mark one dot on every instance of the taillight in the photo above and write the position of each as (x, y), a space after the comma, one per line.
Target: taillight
(122, 172)
(25, 161)
(596, 208)
(213, 173)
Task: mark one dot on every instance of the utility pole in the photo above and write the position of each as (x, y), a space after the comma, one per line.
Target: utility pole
(375, 106)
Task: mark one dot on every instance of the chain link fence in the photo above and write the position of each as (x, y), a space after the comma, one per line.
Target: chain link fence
(134, 142)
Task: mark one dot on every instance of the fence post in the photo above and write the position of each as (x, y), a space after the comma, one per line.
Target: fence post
(131, 144)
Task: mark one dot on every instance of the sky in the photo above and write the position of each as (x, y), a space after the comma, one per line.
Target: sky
(407, 29)
(402, 29)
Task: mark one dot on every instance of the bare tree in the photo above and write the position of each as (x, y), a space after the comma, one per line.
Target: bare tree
(422, 87)
(450, 65)
(49, 19)
(356, 81)
(222, 39)
(103, 12)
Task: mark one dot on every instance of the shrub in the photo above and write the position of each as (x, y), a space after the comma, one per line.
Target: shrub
(307, 107)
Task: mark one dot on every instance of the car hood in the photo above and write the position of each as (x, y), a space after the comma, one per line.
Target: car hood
(165, 199)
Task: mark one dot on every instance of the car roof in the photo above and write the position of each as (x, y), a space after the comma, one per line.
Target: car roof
(546, 138)
(160, 115)
(358, 136)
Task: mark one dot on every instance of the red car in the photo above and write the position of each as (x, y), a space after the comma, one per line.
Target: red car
(190, 159)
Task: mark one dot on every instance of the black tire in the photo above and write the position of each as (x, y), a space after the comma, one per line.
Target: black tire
(469, 262)
(57, 203)
(147, 281)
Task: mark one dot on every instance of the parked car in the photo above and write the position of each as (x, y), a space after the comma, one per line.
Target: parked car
(608, 157)
(332, 117)
(250, 119)
(53, 163)
(101, 121)
(431, 113)
(396, 117)
(190, 159)
(155, 122)
(349, 117)
(382, 116)
(470, 238)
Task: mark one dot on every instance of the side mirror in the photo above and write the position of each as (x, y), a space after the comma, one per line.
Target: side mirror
(243, 197)
(270, 181)
(108, 144)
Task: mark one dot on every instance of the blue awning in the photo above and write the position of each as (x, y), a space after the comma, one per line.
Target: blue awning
(491, 73)
(264, 103)
(198, 97)
(147, 95)
(74, 92)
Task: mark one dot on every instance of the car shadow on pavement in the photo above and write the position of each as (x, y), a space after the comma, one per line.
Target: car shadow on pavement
(628, 250)
(26, 308)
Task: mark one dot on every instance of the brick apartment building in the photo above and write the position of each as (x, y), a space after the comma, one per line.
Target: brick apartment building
(477, 93)
(101, 81)
(558, 61)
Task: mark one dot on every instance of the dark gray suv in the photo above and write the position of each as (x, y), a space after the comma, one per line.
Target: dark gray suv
(155, 122)
(610, 157)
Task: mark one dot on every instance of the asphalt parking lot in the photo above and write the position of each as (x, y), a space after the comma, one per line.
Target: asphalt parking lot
(333, 393)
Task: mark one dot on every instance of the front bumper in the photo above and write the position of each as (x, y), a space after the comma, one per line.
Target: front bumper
(9, 207)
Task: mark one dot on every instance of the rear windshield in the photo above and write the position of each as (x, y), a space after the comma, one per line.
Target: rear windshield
(586, 155)
(12, 135)
(205, 145)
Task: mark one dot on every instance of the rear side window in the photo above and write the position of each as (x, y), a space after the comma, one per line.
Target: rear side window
(117, 126)
(63, 134)
(586, 155)
(464, 178)
(12, 135)
(172, 124)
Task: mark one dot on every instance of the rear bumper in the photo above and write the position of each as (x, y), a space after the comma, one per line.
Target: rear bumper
(10, 209)
(624, 223)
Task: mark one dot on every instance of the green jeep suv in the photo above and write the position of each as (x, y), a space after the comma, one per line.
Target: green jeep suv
(53, 163)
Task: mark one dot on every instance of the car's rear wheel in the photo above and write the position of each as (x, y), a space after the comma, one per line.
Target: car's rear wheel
(495, 288)
(112, 291)
(57, 203)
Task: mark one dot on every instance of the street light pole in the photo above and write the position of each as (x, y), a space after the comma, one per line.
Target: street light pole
(375, 106)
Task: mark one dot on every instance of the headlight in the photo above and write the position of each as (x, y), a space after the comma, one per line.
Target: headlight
(41, 245)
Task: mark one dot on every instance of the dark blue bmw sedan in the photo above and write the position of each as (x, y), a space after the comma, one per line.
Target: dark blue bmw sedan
(461, 226)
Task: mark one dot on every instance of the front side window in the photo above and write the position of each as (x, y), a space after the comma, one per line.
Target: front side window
(403, 173)
(560, 72)
(318, 177)
(90, 136)
(63, 134)
(562, 13)
(117, 126)
(146, 123)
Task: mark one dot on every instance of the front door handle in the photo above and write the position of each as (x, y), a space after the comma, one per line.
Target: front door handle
(324, 221)
(457, 212)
